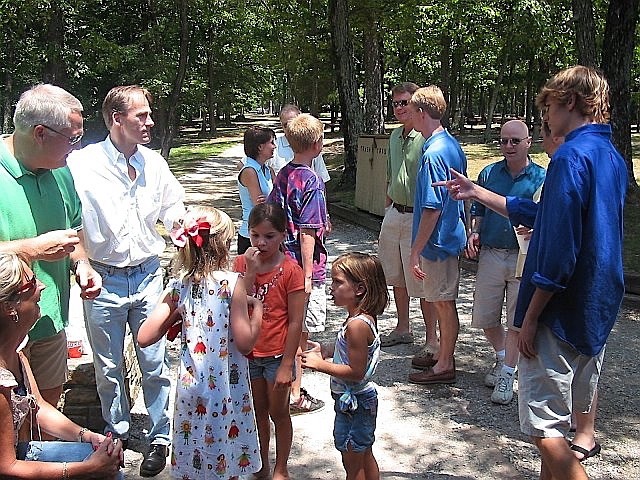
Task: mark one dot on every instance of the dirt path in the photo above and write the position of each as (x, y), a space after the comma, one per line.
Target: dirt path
(438, 432)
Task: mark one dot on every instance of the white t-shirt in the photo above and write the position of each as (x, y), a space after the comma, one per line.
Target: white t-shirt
(283, 154)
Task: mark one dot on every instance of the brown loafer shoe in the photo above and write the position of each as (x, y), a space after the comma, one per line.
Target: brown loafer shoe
(423, 360)
(429, 377)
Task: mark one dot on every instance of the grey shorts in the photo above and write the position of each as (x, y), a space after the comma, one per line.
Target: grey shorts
(394, 250)
(442, 280)
(495, 279)
(315, 312)
(558, 380)
(267, 367)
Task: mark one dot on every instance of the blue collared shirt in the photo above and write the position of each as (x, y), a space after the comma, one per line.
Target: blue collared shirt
(497, 231)
(441, 151)
(576, 247)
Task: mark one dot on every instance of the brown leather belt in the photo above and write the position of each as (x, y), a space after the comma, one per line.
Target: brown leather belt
(402, 208)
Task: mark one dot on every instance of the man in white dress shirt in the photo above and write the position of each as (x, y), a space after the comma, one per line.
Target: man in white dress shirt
(284, 153)
(125, 188)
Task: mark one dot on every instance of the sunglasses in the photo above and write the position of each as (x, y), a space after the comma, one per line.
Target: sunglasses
(72, 140)
(400, 103)
(28, 287)
(513, 141)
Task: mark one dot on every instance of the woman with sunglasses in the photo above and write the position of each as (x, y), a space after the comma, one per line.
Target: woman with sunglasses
(23, 412)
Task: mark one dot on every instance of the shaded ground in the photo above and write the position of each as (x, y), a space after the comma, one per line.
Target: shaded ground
(440, 432)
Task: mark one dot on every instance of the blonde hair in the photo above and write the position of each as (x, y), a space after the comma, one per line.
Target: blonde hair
(367, 270)
(589, 86)
(303, 132)
(11, 274)
(199, 262)
(431, 100)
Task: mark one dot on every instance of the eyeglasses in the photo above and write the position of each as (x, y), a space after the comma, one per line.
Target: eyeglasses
(72, 140)
(28, 287)
(400, 103)
(513, 141)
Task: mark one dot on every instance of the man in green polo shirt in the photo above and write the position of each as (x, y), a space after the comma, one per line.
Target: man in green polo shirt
(40, 218)
(394, 244)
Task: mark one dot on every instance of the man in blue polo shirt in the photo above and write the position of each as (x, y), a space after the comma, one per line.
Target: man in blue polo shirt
(515, 175)
(438, 231)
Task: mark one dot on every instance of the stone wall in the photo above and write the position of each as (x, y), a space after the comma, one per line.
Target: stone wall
(80, 400)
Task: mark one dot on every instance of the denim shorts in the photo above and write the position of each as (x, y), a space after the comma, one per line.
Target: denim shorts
(356, 429)
(267, 367)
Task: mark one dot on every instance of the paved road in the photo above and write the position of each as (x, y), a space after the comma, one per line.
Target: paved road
(448, 432)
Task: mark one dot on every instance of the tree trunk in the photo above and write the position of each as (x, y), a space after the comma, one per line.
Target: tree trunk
(351, 119)
(584, 27)
(529, 100)
(502, 65)
(445, 74)
(454, 95)
(617, 57)
(55, 69)
(373, 113)
(173, 100)
(7, 103)
(211, 101)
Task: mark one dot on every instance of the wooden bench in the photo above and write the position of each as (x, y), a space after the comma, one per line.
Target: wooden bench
(332, 126)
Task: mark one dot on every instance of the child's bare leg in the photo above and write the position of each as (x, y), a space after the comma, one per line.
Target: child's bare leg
(279, 413)
(353, 463)
(371, 469)
(260, 388)
(296, 384)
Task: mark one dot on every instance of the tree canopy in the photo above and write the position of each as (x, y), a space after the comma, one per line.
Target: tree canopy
(211, 60)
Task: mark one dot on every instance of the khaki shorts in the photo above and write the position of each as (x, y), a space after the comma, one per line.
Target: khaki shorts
(394, 250)
(495, 278)
(558, 380)
(48, 360)
(315, 312)
(442, 280)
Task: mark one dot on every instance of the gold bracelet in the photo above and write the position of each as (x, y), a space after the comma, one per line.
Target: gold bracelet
(65, 472)
(81, 433)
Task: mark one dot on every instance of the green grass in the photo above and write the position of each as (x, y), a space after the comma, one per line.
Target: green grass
(185, 156)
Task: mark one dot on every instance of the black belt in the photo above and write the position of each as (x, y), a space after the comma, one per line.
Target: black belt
(402, 208)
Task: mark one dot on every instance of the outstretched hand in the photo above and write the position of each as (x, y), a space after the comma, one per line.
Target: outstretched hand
(459, 187)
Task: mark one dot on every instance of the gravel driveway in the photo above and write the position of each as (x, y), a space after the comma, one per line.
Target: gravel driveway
(436, 432)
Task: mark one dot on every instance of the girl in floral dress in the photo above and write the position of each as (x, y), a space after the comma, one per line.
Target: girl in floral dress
(214, 427)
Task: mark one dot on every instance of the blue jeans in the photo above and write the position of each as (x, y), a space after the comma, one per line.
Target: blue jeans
(55, 452)
(356, 429)
(127, 297)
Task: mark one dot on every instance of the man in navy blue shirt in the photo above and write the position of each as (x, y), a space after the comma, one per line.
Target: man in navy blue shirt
(572, 284)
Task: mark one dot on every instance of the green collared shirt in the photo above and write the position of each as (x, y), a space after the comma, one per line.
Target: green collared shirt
(402, 166)
(33, 203)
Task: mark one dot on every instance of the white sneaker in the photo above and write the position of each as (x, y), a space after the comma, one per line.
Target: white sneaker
(491, 378)
(503, 391)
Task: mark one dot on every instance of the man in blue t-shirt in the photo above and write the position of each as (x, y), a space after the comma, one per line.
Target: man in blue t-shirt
(572, 284)
(438, 231)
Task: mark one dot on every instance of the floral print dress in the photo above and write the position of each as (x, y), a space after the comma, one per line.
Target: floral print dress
(214, 426)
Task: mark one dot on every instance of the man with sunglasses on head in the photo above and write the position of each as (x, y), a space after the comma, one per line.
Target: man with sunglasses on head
(493, 241)
(394, 243)
(136, 190)
(40, 218)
